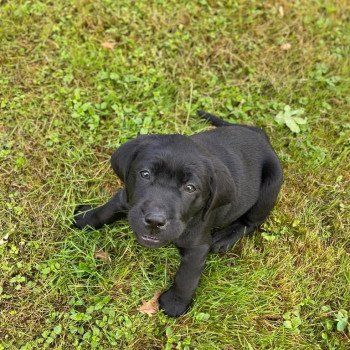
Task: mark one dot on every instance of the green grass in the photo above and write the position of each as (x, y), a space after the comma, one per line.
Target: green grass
(66, 103)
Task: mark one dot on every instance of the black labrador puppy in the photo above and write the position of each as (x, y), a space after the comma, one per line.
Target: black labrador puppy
(201, 193)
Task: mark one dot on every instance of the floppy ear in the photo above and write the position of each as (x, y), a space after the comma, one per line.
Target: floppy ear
(123, 157)
(221, 186)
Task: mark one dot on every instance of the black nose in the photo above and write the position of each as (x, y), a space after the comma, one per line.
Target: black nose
(155, 220)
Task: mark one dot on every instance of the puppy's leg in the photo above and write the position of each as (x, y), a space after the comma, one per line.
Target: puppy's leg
(177, 299)
(224, 239)
(116, 208)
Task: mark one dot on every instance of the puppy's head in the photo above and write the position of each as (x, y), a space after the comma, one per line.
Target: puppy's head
(169, 181)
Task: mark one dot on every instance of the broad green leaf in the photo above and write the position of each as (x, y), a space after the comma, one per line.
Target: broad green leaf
(280, 118)
(301, 121)
(287, 324)
(342, 320)
(292, 125)
(57, 329)
(341, 325)
(269, 237)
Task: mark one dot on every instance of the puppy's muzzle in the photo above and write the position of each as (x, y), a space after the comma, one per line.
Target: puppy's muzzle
(155, 220)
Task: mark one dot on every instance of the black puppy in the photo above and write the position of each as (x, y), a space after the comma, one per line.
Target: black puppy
(202, 193)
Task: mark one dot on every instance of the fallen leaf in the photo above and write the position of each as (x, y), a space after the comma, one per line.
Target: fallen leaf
(286, 46)
(184, 18)
(151, 306)
(110, 45)
(102, 255)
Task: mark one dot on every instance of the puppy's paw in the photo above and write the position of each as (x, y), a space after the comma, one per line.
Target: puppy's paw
(223, 240)
(81, 217)
(221, 246)
(172, 304)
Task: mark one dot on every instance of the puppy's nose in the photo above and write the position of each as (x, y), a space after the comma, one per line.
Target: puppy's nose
(155, 220)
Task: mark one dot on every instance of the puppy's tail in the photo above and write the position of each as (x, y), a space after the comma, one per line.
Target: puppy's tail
(213, 119)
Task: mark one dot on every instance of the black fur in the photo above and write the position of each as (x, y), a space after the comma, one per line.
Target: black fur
(201, 193)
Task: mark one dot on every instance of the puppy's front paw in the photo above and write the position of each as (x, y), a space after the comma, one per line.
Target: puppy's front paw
(81, 216)
(172, 304)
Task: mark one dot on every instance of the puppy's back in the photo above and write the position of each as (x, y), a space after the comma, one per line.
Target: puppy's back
(236, 139)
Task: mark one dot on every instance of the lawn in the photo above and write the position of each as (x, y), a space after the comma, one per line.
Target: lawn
(80, 77)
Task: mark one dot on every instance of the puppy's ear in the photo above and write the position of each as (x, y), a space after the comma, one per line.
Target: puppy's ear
(221, 187)
(123, 157)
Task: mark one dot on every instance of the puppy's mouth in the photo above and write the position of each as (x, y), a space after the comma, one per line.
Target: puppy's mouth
(150, 239)
(153, 237)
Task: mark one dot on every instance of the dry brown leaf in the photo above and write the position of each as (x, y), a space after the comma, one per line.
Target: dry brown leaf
(151, 306)
(102, 255)
(110, 45)
(184, 18)
(286, 46)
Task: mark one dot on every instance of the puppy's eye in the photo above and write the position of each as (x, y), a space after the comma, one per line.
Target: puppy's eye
(190, 188)
(145, 174)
